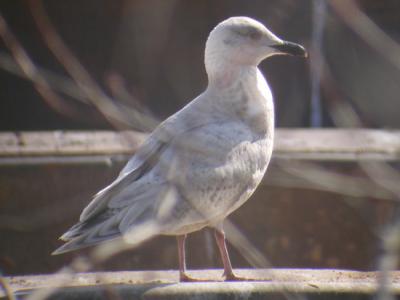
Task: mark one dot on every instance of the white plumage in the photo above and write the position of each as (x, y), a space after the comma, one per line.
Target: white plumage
(203, 162)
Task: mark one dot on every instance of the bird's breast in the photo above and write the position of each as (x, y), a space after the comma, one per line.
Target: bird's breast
(249, 100)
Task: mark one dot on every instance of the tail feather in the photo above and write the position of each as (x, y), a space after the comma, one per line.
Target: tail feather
(135, 236)
(74, 232)
(107, 221)
(82, 242)
(108, 226)
(91, 232)
(135, 220)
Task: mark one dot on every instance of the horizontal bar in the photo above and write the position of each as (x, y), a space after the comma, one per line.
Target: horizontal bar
(64, 147)
(107, 160)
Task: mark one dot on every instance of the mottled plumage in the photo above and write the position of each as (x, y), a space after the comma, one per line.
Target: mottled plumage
(203, 162)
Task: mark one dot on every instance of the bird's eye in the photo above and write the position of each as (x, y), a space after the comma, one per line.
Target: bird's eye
(254, 34)
(249, 32)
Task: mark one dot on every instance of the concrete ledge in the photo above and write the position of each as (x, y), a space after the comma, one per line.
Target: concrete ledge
(98, 146)
(269, 283)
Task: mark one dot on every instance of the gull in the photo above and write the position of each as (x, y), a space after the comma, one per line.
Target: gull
(203, 162)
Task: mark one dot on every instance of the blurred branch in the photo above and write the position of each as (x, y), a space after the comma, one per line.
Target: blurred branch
(58, 281)
(139, 114)
(362, 25)
(58, 83)
(343, 114)
(6, 288)
(244, 246)
(383, 175)
(313, 176)
(78, 73)
(105, 251)
(389, 261)
(64, 85)
(30, 71)
(319, 16)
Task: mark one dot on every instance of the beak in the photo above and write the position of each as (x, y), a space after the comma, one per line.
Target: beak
(290, 48)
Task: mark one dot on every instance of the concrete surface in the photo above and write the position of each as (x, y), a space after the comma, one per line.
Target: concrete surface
(273, 283)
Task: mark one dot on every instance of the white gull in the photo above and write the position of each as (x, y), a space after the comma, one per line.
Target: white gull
(203, 162)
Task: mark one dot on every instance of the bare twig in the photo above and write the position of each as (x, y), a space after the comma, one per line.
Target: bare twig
(68, 87)
(29, 69)
(57, 82)
(82, 78)
(313, 176)
(389, 261)
(319, 16)
(6, 288)
(139, 114)
(381, 173)
(362, 25)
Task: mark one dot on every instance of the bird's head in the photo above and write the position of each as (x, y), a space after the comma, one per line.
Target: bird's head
(244, 41)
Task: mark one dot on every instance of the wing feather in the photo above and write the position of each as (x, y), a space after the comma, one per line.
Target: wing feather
(137, 198)
(137, 167)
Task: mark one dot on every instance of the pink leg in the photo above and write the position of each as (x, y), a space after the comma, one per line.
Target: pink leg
(228, 272)
(182, 259)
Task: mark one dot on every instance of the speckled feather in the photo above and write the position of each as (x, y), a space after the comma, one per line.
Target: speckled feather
(203, 162)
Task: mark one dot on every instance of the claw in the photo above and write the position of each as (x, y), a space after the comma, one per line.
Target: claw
(183, 277)
(187, 278)
(232, 277)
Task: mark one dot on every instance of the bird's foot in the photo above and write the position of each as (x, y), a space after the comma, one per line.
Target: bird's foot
(187, 278)
(232, 277)
(183, 277)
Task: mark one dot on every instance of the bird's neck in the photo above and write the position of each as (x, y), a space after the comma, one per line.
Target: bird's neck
(244, 92)
(223, 74)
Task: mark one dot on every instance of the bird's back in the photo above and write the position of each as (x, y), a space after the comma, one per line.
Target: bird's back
(195, 169)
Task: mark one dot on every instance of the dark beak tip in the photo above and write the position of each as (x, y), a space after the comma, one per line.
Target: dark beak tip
(304, 54)
(296, 50)
(291, 49)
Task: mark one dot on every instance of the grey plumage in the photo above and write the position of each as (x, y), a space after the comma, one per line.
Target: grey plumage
(203, 162)
(197, 164)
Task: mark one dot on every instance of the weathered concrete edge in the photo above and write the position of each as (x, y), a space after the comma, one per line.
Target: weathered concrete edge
(163, 283)
(317, 144)
(194, 291)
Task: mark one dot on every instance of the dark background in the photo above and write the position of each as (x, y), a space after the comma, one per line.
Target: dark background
(156, 48)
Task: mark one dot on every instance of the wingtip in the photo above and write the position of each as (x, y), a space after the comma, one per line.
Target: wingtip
(64, 237)
(57, 251)
(67, 247)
